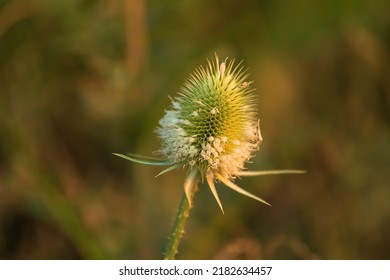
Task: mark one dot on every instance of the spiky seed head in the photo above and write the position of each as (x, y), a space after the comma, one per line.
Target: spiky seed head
(212, 124)
(212, 128)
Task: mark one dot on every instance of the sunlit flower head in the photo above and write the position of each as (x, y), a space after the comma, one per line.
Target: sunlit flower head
(212, 125)
(211, 128)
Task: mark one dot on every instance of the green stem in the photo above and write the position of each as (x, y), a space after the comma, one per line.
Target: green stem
(178, 228)
(182, 215)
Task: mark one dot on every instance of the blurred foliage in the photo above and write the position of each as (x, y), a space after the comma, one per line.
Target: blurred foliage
(80, 79)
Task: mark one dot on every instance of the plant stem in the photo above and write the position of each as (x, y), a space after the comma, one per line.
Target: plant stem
(182, 215)
(178, 228)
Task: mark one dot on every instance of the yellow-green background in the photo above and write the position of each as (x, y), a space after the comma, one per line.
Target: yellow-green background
(82, 79)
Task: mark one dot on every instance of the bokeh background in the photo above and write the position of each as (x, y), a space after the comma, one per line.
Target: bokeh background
(80, 79)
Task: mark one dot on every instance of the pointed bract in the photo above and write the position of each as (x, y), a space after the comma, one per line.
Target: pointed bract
(172, 167)
(269, 172)
(233, 186)
(143, 159)
(191, 184)
(210, 182)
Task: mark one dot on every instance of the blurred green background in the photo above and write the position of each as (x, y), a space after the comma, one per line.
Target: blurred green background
(80, 79)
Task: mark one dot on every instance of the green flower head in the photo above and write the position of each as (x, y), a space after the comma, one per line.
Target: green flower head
(212, 125)
(212, 128)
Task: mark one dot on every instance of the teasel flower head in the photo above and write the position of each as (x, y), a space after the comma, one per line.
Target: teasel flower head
(211, 128)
